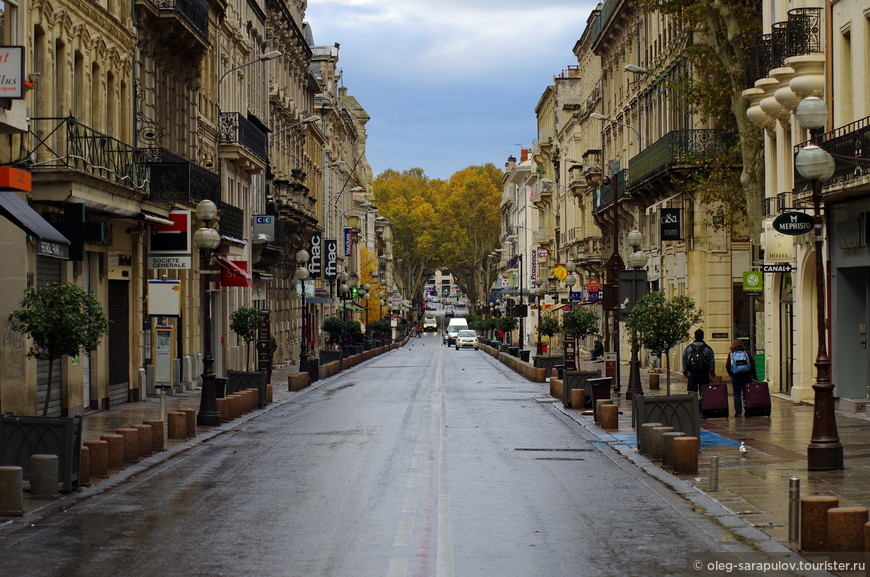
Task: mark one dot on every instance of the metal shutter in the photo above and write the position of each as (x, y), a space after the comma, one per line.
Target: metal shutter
(48, 270)
(119, 342)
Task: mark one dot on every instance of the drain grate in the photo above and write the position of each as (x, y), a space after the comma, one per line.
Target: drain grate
(751, 464)
(587, 450)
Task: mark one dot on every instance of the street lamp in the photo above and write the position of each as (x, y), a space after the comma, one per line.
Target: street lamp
(301, 275)
(824, 451)
(206, 240)
(636, 261)
(640, 70)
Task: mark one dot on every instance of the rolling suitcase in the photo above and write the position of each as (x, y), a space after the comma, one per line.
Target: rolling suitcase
(714, 400)
(757, 400)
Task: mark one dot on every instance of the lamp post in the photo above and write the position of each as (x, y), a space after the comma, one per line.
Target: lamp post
(301, 275)
(824, 451)
(207, 239)
(636, 262)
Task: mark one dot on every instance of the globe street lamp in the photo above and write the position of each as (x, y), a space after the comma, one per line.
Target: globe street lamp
(636, 261)
(207, 240)
(302, 258)
(824, 451)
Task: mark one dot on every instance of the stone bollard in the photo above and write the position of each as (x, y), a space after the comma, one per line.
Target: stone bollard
(85, 467)
(190, 422)
(269, 394)
(98, 455)
(145, 444)
(115, 458)
(222, 407)
(814, 521)
(233, 411)
(43, 476)
(131, 443)
(158, 434)
(177, 425)
(686, 455)
(597, 412)
(253, 399)
(644, 437)
(11, 492)
(846, 529)
(578, 399)
(668, 447)
(609, 417)
(654, 381)
(556, 388)
(656, 442)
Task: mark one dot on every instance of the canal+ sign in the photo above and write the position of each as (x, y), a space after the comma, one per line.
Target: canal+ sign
(793, 223)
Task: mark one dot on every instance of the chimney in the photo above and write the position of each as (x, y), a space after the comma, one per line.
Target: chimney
(524, 154)
(511, 164)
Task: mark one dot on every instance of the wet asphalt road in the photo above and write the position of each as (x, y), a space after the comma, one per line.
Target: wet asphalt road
(426, 461)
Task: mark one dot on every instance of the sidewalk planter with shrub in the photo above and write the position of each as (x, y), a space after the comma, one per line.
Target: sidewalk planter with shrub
(242, 380)
(548, 362)
(22, 437)
(580, 322)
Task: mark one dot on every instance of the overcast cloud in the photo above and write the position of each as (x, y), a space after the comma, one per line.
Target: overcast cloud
(449, 83)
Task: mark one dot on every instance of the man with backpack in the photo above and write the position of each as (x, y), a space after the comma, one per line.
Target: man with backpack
(699, 363)
(741, 367)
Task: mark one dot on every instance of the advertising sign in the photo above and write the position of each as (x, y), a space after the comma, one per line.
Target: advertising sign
(753, 282)
(794, 223)
(778, 247)
(315, 264)
(348, 242)
(12, 72)
(670, 220)
(264, 228)
(169, 246)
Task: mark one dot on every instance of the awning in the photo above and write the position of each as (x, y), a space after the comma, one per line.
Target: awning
(554, 308)
(234, 273)
(351, 306)
(50, 241)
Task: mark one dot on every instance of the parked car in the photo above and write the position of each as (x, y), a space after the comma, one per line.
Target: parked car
(467, 339)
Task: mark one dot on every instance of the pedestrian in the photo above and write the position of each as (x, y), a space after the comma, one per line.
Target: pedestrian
(740, 366)
(597, 350)
(419, 330)
(699, 363)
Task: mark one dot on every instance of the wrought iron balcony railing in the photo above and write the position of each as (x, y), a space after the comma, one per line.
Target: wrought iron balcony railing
(173, 178)
(850, 147)
(680, 148)
(66, 144)
(603, 197)
(232, 222)
(799, 35)
(195, 12)
(236, 129)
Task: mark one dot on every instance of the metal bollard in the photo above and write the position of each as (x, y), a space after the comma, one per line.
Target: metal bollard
(714, 473)
(794, 508)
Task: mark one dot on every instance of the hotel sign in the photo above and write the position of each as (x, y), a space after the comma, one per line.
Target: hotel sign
(793, 223)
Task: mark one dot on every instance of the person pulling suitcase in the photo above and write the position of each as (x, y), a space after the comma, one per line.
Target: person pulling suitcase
(740, 366)
(699, 363)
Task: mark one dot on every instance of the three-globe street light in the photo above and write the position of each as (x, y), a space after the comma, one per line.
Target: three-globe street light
(636, 261)
(302, 258)
(207, 239)
(824, 452)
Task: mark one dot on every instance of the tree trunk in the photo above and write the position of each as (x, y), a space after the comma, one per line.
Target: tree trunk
(48, 389)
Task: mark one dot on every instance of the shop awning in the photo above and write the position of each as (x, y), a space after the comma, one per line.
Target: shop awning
(351, 306)
(554, 308)
(234, 273)
(50, 242)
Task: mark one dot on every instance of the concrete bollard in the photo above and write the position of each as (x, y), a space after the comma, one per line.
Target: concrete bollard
(98, 457)
(654, 381)
(253, 399)
(269, 393)
(609, 417)
(191, 421)
(115, 458)
(145, 444)
(131, 443)
(644, 437)
(233, 410)
(158, 434)
(597, 412)
(85, 467)
(578, 399)
(814, 521)
(686, 455)
(556, 388)
(668, 447)
(177, 424)
(11, 492)
(846, 529)
(656, 442)
(43, 476)
(222, 407)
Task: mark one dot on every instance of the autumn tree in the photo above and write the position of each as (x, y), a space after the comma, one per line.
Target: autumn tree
(719, 33)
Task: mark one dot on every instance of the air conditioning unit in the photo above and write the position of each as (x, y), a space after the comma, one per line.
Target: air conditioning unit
(120, 265)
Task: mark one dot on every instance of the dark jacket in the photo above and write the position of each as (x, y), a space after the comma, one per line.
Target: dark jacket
(709, 356)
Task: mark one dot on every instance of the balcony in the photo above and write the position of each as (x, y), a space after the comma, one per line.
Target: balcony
(232, 222)
(681, 149)
(603, 197)
(239, 132)
(800, 35)
(181, 23)
(176, 179)
(59, 144)
(850, 147)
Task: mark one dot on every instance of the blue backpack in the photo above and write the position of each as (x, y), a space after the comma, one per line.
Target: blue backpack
(740, 362)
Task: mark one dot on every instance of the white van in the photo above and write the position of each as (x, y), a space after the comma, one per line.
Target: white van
(455, 325)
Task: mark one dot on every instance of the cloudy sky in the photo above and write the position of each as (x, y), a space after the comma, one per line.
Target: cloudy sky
(449, 83)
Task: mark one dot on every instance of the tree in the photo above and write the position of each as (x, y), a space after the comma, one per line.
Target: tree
(508, 324)
(661, 324)
(549, 326)
(334, 327)
(60, 319)
(580, 322)
(245, 322)
(721, 33)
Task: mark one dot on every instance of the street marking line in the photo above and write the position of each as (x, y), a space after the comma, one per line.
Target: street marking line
(409, 505)
(398, 567)
(404, 532)
(417, 462)
(413, 481)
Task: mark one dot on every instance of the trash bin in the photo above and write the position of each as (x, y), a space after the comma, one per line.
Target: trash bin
(514, 351)
(597, 388)
(561, 370)
(524, 355)
(313, 370)
(220, 387)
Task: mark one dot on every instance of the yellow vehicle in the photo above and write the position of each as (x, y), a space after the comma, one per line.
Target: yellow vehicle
(430, 324)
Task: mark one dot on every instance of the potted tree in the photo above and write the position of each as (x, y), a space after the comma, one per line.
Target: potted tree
(246, 322)
(334, 327)
(59, 319)
(549, 326)
(579, 323)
